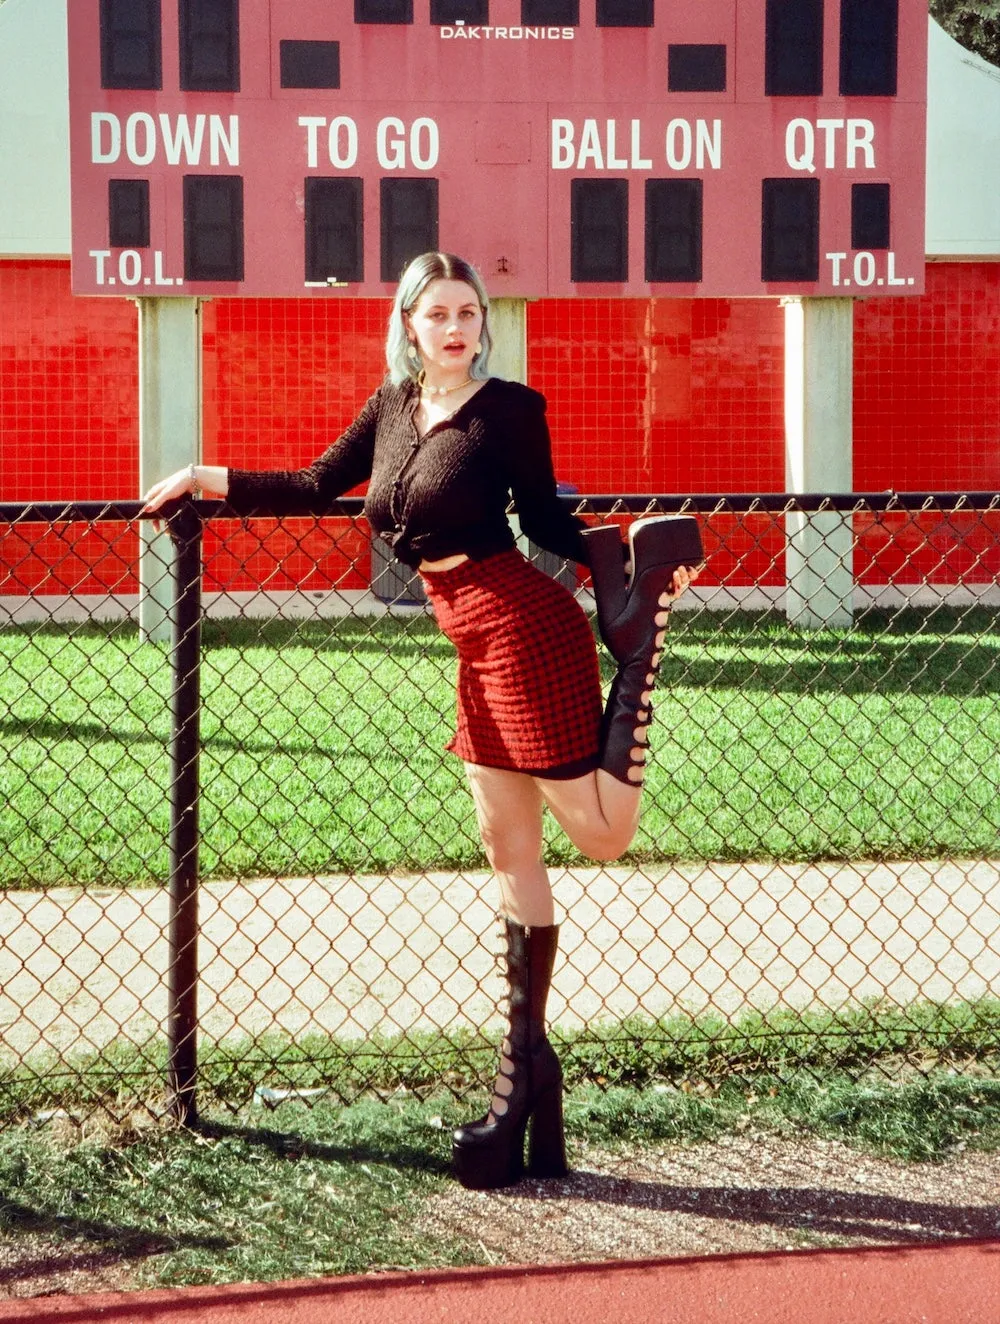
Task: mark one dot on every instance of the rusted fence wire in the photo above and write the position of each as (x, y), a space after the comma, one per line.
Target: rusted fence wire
(237, 862)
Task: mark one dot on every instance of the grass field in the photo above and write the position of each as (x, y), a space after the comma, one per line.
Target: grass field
(876, 1041)
(322, 747)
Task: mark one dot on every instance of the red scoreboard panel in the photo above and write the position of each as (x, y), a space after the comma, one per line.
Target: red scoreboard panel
(595, 147)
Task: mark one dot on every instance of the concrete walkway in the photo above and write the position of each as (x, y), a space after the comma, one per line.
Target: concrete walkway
(346, 955)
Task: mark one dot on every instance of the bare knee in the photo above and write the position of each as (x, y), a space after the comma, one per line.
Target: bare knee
(605, 845)
(511, 848)
(601, 837)
(606, 852)
(598, 813)
(602, 841)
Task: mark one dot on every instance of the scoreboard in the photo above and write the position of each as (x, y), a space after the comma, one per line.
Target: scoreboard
(565, 147)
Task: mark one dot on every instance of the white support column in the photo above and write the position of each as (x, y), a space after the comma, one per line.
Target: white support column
(169, 434)
(819, 354)
(509, 359)
(509, 329)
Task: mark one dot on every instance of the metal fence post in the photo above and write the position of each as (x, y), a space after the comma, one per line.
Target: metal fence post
(182, 975)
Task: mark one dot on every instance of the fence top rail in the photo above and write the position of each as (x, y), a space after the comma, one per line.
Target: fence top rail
(703, 503)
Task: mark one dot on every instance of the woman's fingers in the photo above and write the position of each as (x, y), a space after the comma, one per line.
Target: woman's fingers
(684, 576)
(154, 498)
(167, 489)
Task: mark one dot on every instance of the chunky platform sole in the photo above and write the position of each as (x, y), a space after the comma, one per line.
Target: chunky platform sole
(485, 1157)
(658, 545)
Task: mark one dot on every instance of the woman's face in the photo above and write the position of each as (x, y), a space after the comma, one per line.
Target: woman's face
(445, 323)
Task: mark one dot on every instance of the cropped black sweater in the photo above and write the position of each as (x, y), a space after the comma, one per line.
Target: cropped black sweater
(446, 492)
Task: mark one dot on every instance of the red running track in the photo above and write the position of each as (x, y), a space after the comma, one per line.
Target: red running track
(956, 1283)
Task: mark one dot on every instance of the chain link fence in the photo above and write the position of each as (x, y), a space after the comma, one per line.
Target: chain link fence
(237, 862)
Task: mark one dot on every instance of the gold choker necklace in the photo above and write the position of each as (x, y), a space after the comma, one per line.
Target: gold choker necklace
(441, 390)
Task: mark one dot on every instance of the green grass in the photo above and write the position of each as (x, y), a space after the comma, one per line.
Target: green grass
(323, 747)
(876, 1041)
(332, 1192)
(304, 1192)
(918, 1121)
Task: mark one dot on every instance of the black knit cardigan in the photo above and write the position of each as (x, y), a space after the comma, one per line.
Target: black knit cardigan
(434, 496)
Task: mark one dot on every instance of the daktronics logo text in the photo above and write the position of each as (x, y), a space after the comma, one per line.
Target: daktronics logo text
(462, 31)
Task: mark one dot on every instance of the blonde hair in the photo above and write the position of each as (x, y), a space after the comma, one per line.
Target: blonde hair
(414, 280)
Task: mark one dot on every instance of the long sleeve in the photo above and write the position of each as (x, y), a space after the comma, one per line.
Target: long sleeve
(544, 517)
(311, 490)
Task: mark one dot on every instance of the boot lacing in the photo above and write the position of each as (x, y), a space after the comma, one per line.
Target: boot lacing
(505, 1071)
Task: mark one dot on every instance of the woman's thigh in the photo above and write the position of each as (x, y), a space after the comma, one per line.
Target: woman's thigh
(509, 809)
(597, 812)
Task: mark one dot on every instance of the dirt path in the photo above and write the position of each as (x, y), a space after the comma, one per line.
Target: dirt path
(744, 1193)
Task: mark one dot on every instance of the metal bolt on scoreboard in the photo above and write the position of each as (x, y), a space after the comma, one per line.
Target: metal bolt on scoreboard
(566, 147)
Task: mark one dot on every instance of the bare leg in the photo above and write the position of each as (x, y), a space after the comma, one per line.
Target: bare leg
(597, 812)
(509, 808)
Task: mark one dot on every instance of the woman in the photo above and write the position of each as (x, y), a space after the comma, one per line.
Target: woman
(444, 446)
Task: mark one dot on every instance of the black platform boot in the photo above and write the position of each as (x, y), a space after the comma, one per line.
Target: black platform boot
(626, 618)
(490, 1152)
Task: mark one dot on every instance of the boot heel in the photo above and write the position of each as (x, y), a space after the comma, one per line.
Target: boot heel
(664, 540)
(607, 573)
(546, 1141)
(658, 544)
(497, 1160)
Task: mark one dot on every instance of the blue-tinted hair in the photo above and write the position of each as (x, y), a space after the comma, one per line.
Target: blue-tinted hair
(415, 279)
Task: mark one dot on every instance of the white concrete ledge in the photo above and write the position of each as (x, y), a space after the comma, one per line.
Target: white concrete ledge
(68, 609)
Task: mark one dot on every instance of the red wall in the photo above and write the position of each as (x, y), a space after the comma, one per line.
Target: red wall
(927, 385)
(678, 395)
(68, 389)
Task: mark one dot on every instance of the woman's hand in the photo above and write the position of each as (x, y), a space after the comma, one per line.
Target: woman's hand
(182, 483)
(684, 577)
(195, 478)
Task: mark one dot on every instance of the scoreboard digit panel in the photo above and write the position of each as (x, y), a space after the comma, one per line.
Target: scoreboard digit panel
(595, 147)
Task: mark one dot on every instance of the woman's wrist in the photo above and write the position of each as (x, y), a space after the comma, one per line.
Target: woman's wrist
(208, 478)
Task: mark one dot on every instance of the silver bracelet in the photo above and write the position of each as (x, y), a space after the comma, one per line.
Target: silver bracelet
(196, 488)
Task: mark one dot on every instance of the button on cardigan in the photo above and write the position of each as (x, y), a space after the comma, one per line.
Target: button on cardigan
(434, 496)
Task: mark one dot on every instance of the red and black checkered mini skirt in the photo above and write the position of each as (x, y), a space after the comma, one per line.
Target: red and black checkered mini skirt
(529, 682)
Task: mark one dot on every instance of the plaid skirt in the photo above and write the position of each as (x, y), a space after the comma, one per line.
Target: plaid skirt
(529, 682)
